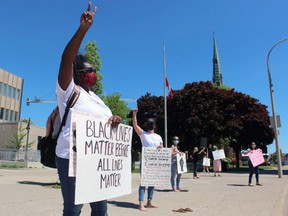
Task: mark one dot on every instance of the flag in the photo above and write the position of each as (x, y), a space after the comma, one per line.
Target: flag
(169, 88)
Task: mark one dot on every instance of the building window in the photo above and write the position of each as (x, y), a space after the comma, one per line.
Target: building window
(13, 92)
(16, 116)
(4, 89)
(11, 115)
(0, 88)
(18, 94)
(9, 91)
(6, 114)
(1, 113)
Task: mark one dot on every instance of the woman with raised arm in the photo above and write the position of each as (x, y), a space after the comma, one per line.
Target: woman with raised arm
(75, 70)
(148, 139)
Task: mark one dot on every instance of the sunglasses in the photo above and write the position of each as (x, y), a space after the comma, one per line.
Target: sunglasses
(87, 70)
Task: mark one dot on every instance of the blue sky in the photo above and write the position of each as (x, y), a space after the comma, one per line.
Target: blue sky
(130, 35)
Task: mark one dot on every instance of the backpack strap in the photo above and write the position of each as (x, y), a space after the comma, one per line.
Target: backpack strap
(70, 103)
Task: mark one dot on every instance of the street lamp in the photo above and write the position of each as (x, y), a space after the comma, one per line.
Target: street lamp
(279, 159)
(27, 140)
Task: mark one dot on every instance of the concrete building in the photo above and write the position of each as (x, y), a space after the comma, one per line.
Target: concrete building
(11, 89)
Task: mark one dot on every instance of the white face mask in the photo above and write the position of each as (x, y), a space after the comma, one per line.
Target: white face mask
(175, 142)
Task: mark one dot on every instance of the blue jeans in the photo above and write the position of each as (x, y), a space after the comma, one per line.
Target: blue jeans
(68, 193)
(141, 192)
(173, 174)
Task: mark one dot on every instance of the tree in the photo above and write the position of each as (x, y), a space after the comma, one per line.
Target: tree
(117, 106)
(17, 140)
(220, 114)
(92, 56)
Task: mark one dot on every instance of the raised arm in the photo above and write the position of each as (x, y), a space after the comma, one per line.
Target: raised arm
(138, 129)
(66, 67)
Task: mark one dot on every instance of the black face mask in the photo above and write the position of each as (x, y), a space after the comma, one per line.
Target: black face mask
(150, 126)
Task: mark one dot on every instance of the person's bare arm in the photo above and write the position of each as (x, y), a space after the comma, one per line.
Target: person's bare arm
(66, 67)
(137, 128)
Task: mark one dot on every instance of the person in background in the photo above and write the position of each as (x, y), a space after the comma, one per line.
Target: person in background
(76, 70)
(148, 138)
(195, 158)
(206, 155)
(252, 169)
(217, 166)
(174, 171)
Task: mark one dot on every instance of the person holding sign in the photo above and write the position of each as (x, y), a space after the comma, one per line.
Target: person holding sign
(174, 173)
(195, 157)
(76, 70)
(148, 138)
(251, 168)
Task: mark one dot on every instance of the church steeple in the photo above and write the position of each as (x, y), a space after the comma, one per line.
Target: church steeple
(217, 74)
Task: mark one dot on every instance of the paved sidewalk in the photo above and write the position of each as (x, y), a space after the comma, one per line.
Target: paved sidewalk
(29, 192)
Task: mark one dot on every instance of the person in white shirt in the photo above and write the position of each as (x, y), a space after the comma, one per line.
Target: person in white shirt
(148, 139)
(76, 70)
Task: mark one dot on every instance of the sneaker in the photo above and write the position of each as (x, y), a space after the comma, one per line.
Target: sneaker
(251, 185)
(258, 184)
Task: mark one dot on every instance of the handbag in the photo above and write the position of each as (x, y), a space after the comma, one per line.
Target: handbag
(47, 144)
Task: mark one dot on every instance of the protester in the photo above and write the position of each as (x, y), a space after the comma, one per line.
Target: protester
(217, 165)
(206, 156)
(148, 139)
(174, 171)
(75, 70)
(251, 168)
(195, 158)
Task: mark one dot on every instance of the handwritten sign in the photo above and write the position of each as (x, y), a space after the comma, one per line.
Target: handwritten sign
(181, 163)
(156, 167)
(218, 154)
(203, 143)
(256, 157)
(103, 159)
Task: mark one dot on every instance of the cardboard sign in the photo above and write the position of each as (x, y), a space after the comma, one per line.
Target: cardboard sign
(218, 154)
(103, 159)
(181, 163)
(203, 143)
(156, 167)
(256, 157)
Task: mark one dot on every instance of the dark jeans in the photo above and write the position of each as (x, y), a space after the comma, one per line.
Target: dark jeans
(253, 170)
(195, 168)
(68, 193)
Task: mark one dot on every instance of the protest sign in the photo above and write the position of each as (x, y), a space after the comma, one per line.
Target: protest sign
(256, 157)
(103, 167)
(203, 143)
(156, 167)
(218, 154)
(181, 163)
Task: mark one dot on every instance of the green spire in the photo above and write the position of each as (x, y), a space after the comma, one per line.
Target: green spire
(217, 74)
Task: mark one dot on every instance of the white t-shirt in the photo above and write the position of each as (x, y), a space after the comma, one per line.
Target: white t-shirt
(86, 103)
(150, 139)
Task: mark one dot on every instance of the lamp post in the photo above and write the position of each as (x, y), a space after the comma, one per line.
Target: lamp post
(278, 152)
(27, 140)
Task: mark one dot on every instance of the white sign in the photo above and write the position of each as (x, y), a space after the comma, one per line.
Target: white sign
(181, 163)
(218, 154)
(156, 167)
(103, 159)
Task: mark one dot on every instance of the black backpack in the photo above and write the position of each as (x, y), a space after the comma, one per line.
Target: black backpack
(47, 144)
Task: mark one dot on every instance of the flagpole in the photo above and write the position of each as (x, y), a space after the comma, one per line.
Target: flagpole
(165, 98)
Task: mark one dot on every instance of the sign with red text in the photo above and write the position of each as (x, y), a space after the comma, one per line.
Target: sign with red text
(256, 157)
(181, 163)
(156, 167)
(103, 165)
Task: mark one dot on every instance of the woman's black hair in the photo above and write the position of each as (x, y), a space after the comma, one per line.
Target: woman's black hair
(78, 64)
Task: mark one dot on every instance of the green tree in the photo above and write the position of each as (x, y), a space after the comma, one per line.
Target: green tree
(117, 106)
(18, 139)
(92, 55)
